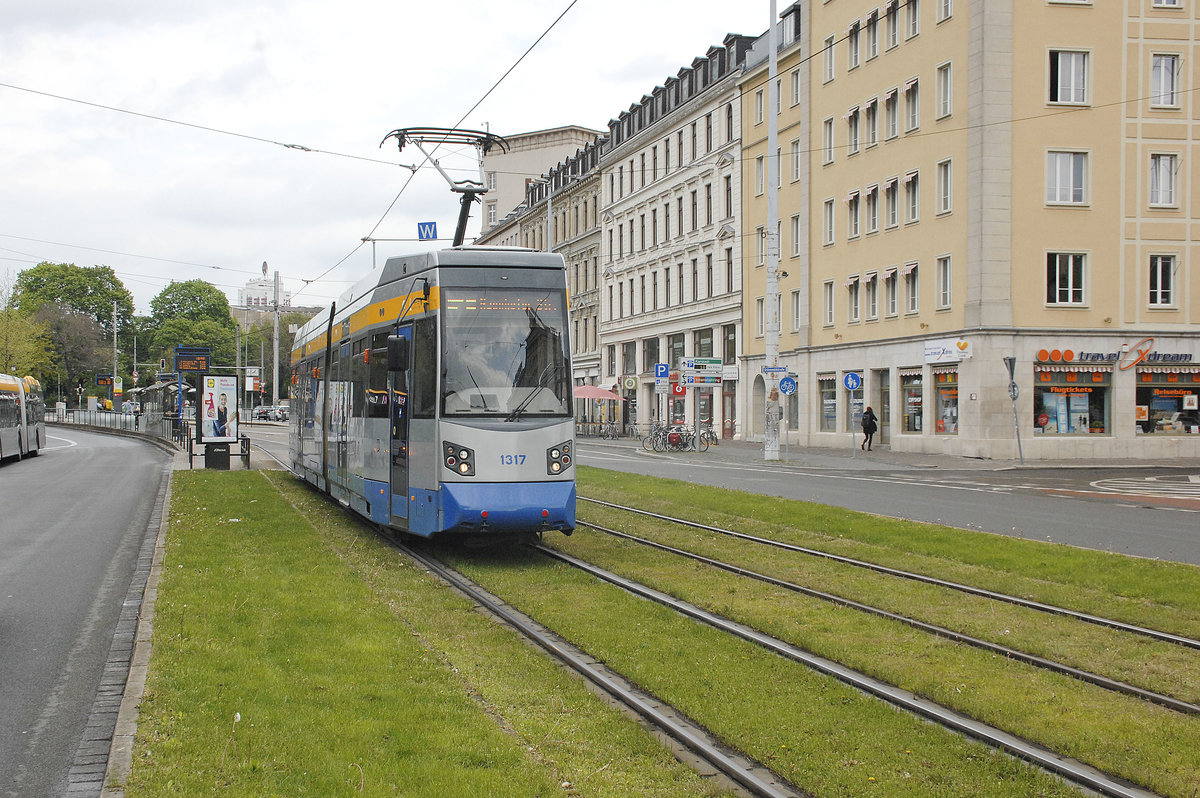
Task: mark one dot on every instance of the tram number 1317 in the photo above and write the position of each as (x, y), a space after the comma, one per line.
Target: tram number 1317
(512, 459)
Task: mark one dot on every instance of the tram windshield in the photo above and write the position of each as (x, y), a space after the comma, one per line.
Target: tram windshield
(505, 353)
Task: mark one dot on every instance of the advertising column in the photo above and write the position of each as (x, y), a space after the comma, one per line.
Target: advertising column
(218, 409)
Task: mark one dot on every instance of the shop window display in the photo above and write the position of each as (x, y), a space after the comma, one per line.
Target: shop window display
(946, 402)
(912, 395)
(1071, 402)
(1168, 402)
(827, 390)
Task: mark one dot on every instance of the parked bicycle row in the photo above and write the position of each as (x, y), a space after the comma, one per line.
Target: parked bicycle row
(679, 438)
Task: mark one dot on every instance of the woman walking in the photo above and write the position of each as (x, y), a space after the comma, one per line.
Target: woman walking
(869, 424)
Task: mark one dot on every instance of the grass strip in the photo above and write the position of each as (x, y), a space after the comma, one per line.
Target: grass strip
(295, 654)
(1136, 659)
(1122, 735)
(823, 736)
(1157, 594)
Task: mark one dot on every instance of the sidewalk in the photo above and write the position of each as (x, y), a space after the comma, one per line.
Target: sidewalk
(882, 458)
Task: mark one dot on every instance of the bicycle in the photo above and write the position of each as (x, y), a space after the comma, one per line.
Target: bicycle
(708, 435)
(609, 431)
(656, 440)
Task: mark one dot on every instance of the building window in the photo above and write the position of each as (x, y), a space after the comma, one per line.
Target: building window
(945, 9)
(796, 306)
(871, 123)
(797, 155)
(1162, 275)
(911, 401)
(890, 292)
(827, 222)
(795, 87)
(871, 296)
(891, 203)
(760, 245)
(945, 407)
(852, 131)
(708, 209)
(795, 235)
(827, 140)
(1162, 180)
(891, 114)
(728, 196)
(945, 187)
(1071, 401)
(912, 296)
(1066, 178)
(914, 17)
(829, 59)
(873, 35)
(1167, 401)
(853, 304)
(759, 317)
(852, 44)
(729, 287)
(611, 350)
(758, 107)
(1068, 77)
(912, 106)
(912, 197)
(872, 209)
(1065, 278)
(852, 215)
(827, 390)
(759, 175)
(945, 277)
(1164, 91)
(827, 303)
(893, 26)
(945, 91)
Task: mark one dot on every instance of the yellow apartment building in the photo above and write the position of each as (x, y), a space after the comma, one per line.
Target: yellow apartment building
(963, 182)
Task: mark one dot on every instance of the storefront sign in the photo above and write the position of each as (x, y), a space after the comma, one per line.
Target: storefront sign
(947, 351)
(1128, 356)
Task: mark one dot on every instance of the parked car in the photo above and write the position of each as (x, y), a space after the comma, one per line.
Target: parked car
(263, 413)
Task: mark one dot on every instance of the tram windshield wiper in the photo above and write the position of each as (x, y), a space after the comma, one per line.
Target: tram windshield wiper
(550, 372)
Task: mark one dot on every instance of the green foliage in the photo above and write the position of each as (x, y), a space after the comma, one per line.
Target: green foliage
(24, 345)
(195, 300)
(87, 290)
(186, 331)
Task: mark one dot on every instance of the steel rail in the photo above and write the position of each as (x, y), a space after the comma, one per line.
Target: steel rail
(1166, 637)
(959, 637)
(750, 775)
(1070, 769)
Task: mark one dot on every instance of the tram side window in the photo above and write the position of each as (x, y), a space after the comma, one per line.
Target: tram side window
(358, 376)
(377, 397)
(424, 368)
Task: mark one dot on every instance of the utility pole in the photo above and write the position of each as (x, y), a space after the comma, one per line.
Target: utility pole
(275, 352)
(771, 327)
(112, 389)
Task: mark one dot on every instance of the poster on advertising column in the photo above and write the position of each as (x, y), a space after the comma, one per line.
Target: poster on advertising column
(217, 409)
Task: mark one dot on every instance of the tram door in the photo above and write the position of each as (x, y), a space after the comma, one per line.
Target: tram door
(398, 386)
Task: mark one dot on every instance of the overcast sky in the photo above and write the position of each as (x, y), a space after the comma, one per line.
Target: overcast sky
(216, 196)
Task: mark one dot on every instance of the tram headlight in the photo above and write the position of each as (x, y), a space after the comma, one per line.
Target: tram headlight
(458, 459)
(558, 458)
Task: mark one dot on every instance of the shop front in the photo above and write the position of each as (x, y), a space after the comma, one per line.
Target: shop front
(1072, 400)
(1168, 401)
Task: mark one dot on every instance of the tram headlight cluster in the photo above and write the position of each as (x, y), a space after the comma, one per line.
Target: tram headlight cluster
(558, 458)
(458, 459)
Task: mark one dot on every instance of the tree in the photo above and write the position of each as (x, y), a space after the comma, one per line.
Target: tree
(195, 300)
(24, 344)
(186, 331)
(78, 345)
(90, 291)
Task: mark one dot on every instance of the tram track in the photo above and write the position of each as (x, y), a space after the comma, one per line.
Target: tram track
(749, 776)
(1155, 634)
(1071, 770)
(1011, 653)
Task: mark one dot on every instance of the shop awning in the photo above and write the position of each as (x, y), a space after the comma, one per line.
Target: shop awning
(1073, 368)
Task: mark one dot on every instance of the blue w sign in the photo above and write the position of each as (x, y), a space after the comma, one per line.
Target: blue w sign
(426, 231)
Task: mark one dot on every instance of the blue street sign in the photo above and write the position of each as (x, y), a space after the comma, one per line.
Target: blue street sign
(852, 381)
(662, 371)
(787, 386)
(426, 231)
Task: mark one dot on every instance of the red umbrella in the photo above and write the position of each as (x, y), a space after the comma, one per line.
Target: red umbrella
(594, 392)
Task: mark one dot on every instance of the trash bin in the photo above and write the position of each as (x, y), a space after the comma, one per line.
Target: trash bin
(216, 455)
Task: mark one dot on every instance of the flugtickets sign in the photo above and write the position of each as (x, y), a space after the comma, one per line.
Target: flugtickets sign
(1130, 355)
(947, 351)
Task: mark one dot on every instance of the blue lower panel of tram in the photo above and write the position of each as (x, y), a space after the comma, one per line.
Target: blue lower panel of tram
(493, 508)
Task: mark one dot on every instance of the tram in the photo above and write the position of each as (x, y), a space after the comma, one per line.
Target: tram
(22, 417)
(434, 397)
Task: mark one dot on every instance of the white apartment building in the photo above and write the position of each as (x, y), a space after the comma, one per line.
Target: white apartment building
(670, 256)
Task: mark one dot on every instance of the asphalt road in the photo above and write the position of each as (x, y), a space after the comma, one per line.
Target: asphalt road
(1145, 512)
(72, 522)
(1131, 509)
